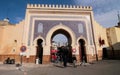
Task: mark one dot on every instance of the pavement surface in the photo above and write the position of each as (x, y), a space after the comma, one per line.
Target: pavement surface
(104, 67)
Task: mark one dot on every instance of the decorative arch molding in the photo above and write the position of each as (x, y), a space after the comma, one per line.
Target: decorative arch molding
(35, 41)
(57, 27)
(81, 37)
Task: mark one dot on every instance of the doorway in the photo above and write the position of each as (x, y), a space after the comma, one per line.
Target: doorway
(82, 50)
(39, 53)
(59, 39)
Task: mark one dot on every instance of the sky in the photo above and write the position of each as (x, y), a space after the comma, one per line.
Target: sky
(105, 11)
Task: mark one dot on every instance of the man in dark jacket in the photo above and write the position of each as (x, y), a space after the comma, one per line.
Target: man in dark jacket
(65, 56)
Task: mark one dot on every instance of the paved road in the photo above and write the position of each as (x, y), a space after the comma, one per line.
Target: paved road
(105, 67)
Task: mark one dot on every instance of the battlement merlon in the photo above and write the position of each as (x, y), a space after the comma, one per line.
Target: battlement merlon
(32, 6)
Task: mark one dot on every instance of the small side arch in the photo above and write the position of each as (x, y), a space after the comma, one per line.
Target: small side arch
(81, 41)
(36, 39)
(81, 37)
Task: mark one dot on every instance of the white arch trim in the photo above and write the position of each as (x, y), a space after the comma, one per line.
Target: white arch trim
(60, 26)
(35, 41)
(81, 37)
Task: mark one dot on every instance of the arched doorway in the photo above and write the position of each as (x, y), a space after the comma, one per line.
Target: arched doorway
(64, 39)
(39, 53)
(82, 50)
(60, 40)
(64, 33)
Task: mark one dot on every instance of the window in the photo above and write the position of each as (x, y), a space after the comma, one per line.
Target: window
(40, 28)
(80, 28)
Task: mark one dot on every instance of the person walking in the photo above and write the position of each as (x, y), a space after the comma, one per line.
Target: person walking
(83, 61)
(65, 55)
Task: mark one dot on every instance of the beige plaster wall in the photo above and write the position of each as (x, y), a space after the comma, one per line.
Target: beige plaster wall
(10, 33)
(1, 35)
(117, 29)
(100, 31)
(114, 33)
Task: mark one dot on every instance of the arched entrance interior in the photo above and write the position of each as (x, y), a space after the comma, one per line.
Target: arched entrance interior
(39, 53)
(60, 42)
(82, 50)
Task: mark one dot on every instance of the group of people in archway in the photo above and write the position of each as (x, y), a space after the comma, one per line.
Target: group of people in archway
(63, 54)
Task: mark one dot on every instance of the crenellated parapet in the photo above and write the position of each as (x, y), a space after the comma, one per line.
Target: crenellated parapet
(58, 6)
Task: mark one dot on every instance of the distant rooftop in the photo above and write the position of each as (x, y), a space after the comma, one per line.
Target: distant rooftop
(5, 22)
